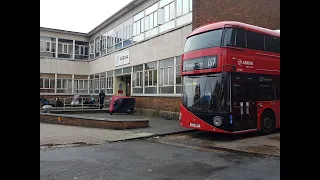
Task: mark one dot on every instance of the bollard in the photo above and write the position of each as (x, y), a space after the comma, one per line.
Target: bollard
(64, 103)
(82, 102)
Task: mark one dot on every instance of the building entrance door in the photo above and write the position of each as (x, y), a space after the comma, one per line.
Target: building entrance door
(128, 85)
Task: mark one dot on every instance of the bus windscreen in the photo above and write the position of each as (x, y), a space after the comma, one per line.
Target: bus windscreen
(204, 40)
(206, 93)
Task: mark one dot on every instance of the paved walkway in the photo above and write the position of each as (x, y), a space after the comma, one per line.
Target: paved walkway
(250, 143)
(64, 134)
(157, 125)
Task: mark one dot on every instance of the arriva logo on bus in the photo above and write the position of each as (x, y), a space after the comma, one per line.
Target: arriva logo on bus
(248, 63)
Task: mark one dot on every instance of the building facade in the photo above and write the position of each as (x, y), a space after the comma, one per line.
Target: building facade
(136, 52)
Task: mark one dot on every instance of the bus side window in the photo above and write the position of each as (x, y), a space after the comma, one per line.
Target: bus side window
(240, 38)
(266, 92)
(272, 44)
(255, 41)
(229, 36)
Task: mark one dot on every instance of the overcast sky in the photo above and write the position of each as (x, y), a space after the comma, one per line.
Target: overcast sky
(77, 15)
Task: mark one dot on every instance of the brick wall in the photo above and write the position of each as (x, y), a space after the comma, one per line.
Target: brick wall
(264, 13)
(159, 103)
(81, 121)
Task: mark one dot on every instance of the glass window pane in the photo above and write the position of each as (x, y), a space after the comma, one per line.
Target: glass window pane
(166, 62)
(85, 84)
(150, 78)
(171, 11)
(59, 83)
(241, 38)
(76, 82)
(151, 21)
(127, 70)
(147, 23)
(178, 76)
(155, 15)
(166, 75)
(59, 48)
(161, 77)
(117, 71)
(65, 49)
(41, 83)
(185, 6)
(77, 50)
(134, 29)
(166, 14)
(64, 83)
(51, 83)
(178, 89)
(272, 44)
(109, 73)
(166, 90)
(152, 65)
(204, 40)
(178, 60)
(171, 76)
(142, 25)
(151, 90)
(155, 75)
(48, 46)
(70, 49)
(86, 50)
(137, 68)
(130, 31)
(69, 83)
(146, 74)
(179, 7)
(140, 78)
(138, 27)
(46, 83)
(255, 40)
(81, 84)
(53, 47)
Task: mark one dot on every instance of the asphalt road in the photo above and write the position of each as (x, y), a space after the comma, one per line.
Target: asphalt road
(146, 160)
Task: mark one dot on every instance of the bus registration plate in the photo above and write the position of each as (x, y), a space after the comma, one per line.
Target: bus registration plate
(195, 125)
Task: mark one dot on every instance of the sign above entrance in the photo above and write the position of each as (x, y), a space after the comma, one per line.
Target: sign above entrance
(121, 58)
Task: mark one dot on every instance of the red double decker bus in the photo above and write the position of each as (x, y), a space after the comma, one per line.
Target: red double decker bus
(231, 79)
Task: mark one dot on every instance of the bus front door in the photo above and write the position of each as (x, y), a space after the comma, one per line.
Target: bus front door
(244, 109)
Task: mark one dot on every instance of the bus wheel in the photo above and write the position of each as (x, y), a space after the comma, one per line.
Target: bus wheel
(267, 122)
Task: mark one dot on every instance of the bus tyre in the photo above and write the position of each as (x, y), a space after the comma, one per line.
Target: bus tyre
(267, 122)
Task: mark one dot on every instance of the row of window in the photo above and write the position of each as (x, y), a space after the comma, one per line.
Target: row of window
(233, 37)
(159, 77)
(120, 37)
(81, 86)
(162, 77)
(252, 40)
(48, 47)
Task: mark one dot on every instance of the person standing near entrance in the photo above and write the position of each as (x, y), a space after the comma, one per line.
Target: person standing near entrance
(102, 95)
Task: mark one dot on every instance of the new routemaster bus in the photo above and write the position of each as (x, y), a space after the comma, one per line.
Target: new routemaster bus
(231, 79)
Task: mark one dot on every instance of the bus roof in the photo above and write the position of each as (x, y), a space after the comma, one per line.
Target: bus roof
(219, 25)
